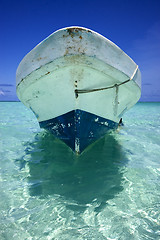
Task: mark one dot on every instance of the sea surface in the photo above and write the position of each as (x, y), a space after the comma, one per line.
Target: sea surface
(111, 191)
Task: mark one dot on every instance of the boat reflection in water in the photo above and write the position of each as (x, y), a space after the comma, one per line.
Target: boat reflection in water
(55, 170)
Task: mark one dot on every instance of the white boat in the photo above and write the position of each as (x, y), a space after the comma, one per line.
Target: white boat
(78, 84)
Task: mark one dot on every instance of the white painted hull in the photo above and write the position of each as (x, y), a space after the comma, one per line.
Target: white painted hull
(74, 59)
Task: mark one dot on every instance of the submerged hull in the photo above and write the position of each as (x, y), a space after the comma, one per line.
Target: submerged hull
(78, 129)
(78, 84)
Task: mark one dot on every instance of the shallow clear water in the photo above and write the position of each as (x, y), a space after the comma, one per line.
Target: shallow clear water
(111, 191)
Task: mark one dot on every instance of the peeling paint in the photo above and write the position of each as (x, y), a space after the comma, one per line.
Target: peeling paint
(55, 127)
(77, 145)
(91, 134)
(63, 126)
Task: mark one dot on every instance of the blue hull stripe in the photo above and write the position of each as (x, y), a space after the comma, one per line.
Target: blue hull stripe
(78, 127)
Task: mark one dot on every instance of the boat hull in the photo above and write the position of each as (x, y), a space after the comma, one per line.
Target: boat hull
(75, 77)
(78, 129)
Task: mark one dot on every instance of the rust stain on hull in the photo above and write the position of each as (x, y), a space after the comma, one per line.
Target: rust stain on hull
(47, 73)
(74, 30)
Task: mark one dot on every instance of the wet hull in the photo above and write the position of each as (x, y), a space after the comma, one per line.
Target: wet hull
(78, 129)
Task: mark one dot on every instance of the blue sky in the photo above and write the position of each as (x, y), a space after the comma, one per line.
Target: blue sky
(133, 25)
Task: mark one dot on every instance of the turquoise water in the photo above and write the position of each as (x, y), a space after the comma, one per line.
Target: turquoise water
(112, 191)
